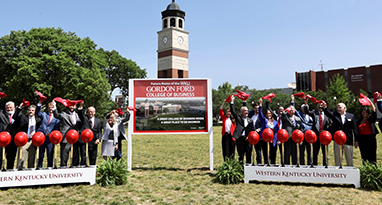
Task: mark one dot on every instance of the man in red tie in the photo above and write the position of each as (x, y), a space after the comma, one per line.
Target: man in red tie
(49, 124)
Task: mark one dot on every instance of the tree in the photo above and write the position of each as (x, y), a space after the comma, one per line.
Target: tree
(119, 70)
(56, 63)
(219, 95)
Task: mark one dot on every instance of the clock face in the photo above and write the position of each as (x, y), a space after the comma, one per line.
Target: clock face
(180, 39)
(164, 40)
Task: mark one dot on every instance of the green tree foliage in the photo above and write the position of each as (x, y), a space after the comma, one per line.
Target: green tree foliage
(219, 95)
(59, 64)
(119, 70)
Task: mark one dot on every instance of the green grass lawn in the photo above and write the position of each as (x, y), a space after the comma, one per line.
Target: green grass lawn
(174, 169)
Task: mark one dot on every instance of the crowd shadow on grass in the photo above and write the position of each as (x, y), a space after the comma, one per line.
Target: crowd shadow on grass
(302, 184)
(157, 168)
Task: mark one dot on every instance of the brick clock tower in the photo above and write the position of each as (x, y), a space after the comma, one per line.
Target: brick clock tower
(173, 44)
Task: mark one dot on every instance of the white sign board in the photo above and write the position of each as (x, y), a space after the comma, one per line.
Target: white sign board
(318, 174)
(48, 177)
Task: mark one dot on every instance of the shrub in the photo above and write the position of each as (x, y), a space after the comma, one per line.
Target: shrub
(371, 176)
(112, 172)
(230, 172)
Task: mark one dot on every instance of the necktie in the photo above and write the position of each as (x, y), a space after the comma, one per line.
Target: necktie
(10, 119)
(293, 121)
(278, 121)
(91, 124)
(321, 122)
(50, 118)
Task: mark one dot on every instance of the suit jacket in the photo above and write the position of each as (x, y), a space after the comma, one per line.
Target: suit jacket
(21, 123)
(121, 125)
(85, 124)
(315, 114)
(66, 123)
(379, 105)
(372, 119)
(5, 125)
(251, 113)
(288, 124)
(240, 124)
(349, 127)
(45, 126)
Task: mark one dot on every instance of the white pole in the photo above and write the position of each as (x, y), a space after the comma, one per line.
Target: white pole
(210, 123)
(130, 127)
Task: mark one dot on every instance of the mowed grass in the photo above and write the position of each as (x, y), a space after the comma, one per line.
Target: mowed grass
(174, 169)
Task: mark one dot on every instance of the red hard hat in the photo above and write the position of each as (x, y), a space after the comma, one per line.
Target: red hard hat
(267, 134)
(5, 138)
(310, 136)
(87, 135)
(38, 139)
(340, 137)
(282, 135)
(21, 139)
(253, 137)
(325, 137)
(72, 136)
(297, 136)
(55, 137)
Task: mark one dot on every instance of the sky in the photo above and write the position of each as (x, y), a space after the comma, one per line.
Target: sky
(256, 43)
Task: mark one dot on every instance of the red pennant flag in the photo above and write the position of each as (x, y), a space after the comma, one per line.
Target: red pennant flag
(242, 95)
(313, 99)
(75, 102)
(132, 108)
(3, 95)
(120, 112)
(62, 101)
(41, 96)
(376, 94)
(364, 100)
(269, 96)
(228, 99)
(321, 101)
(25, 103)
(288, 111)
(300, 95)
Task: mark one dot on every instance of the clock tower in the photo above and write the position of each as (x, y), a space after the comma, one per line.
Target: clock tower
(173, 44)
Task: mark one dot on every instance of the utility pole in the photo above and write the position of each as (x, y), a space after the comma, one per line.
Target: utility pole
(322, 65)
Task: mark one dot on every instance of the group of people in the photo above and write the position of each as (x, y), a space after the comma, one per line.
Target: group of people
(110, 133)
(359, 133)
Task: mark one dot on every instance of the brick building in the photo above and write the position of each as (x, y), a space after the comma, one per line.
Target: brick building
(365, 78)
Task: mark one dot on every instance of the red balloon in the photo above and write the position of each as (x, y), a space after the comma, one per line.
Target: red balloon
(310, 136)
(267, 134)
(282, 135)
(297, 136)
(5, 138)
(38, 139)
(55, 137)
(325, 137)
(21, 139)
(340, 137)
(87, 135)
(72, 136)
(253, 137)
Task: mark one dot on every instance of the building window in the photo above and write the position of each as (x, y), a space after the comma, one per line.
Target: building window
(180, 23)
(172, 22)
(165, 23)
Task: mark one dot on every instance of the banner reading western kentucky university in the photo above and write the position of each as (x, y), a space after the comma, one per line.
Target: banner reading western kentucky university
(171, 105)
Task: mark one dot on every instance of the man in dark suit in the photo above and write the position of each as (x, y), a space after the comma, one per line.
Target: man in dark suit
(88, 122)
(69, 120)
(254, 115)
(28, 124)
(320, 123)
(290, 122)
(244, 125)
(7, 123)
(48, 124)
(346, 122)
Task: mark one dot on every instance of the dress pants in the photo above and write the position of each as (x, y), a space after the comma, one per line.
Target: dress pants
(79, 149)
(64, 152)
(305, 152)
(258, 148)
(93, 152)
(272, 152)
(118, 152)
(244, 147)
(27, 151)
(290, 151)
(347, 150)
(10, 153)
(316, 149)
(228, 146)
(368, 147)
(49, 152)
